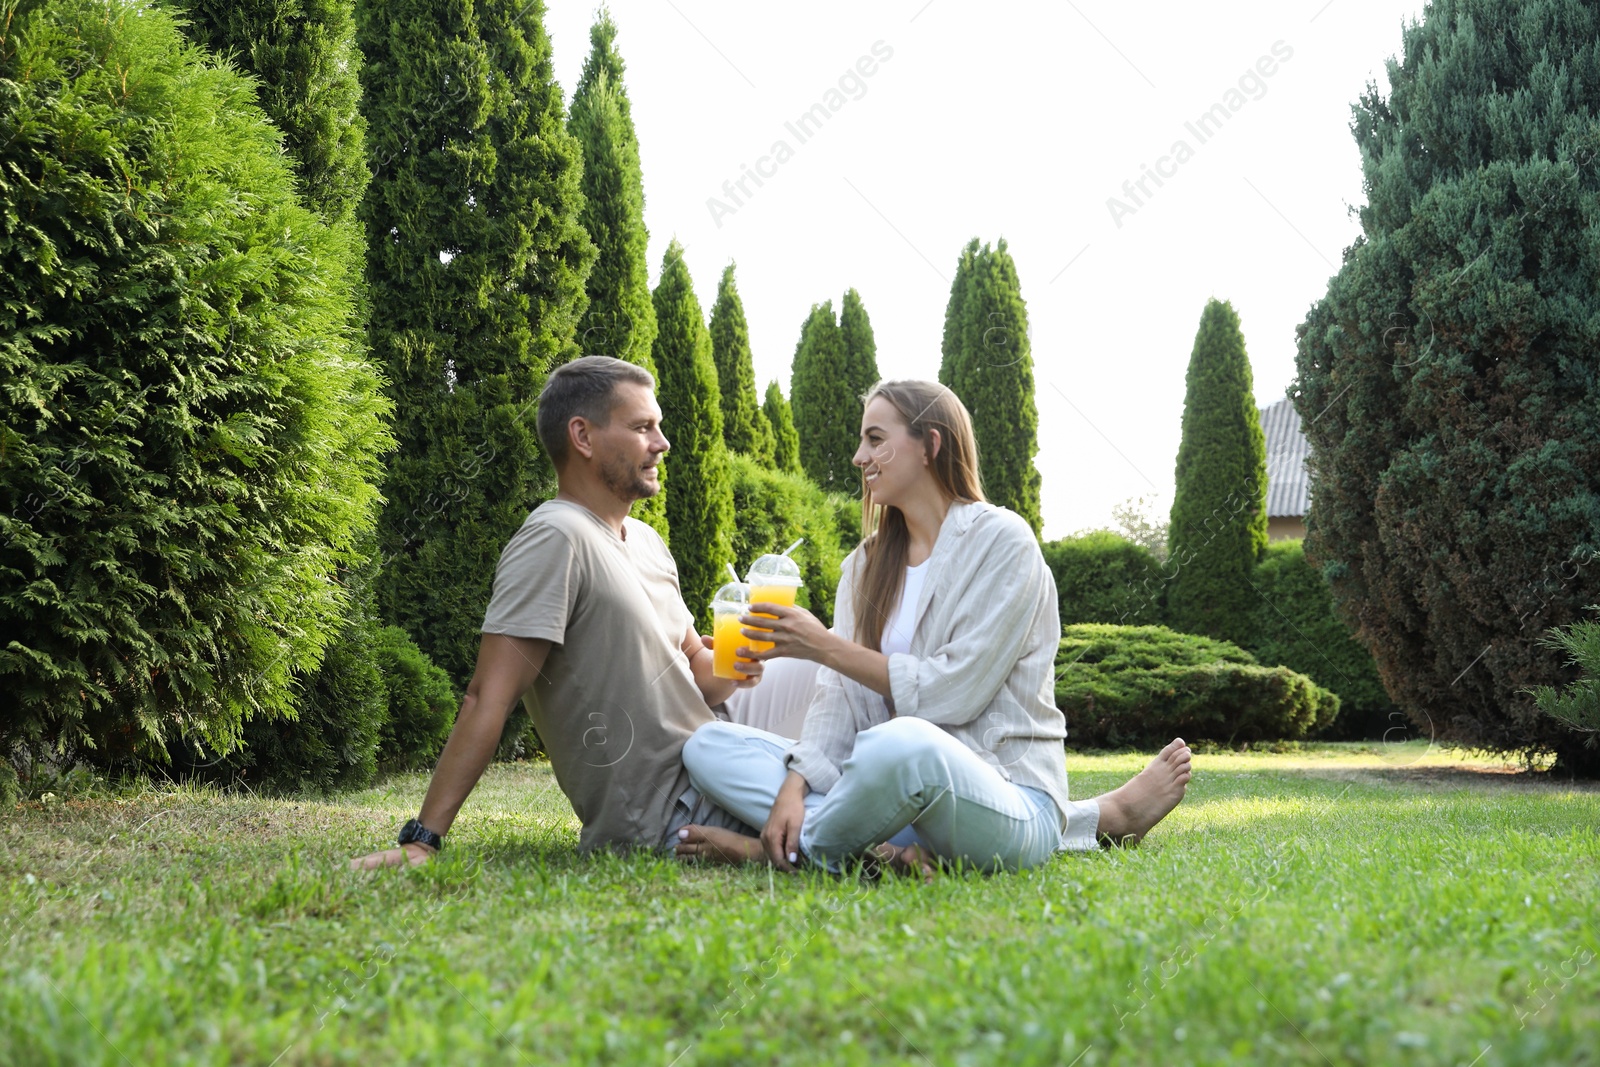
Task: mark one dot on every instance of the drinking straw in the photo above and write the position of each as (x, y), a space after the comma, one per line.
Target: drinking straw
(733, 572)
(792, 547)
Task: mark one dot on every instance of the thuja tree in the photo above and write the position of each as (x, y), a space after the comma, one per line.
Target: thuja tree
(950, 345)
(620, 320)
(827, 412)
(476, 264)
(860, 352)
(785, 441)
(1449, 382)
(1218, 528)
(190, 431)
(700, 509)
(744, 425)
(993, 376)
(304, 56)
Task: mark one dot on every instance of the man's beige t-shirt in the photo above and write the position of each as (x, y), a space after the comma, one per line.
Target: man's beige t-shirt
(616, 699)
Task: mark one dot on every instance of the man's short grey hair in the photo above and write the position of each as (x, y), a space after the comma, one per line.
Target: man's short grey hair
(585, 387)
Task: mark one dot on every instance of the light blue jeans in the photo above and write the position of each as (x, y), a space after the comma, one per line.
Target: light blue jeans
(907, 781)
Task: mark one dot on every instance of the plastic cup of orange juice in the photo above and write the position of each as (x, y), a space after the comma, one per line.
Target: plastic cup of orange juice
(730, 602)
(773, 579)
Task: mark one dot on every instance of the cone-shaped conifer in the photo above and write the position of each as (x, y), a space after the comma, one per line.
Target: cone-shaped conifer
(700, 509)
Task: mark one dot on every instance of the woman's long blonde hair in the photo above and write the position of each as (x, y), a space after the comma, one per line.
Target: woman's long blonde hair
(886, 540)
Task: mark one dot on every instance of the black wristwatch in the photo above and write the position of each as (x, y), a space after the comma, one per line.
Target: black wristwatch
(415, 831)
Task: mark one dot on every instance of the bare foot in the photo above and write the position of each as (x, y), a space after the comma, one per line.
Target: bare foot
(716, 845)
(1128, 812)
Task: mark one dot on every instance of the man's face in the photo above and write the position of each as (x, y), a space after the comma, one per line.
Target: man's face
(628, 449)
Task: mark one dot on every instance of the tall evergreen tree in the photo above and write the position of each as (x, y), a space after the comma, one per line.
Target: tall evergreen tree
(700, 509)
(860, 350)
(1449, 380)
(993, 376)
(1218, 529)
(786, 442)
(476, 266)
(621, 320)
(744, 425)
(827, 413)
(954, 310)
(304, 55)
(190, 431)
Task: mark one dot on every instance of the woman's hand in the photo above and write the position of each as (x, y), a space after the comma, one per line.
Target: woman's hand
(781, 836)
(795, 633)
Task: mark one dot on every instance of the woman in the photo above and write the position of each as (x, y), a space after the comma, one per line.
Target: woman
(933, 732)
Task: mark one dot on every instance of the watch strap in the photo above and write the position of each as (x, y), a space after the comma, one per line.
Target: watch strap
(414, 831)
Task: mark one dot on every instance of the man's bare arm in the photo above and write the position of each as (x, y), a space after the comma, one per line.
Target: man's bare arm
(507, 667)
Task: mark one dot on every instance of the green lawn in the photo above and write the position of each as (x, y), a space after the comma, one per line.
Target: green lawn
(1322, 906)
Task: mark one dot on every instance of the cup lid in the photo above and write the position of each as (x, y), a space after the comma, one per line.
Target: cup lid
(773, 569)
(732, 593)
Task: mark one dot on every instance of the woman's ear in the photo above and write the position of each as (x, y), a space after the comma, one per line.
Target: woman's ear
(935, 439)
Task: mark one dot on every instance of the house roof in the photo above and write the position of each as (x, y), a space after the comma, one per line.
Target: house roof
(1288, 483)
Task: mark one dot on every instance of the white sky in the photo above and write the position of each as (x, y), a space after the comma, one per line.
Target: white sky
(1015, 120)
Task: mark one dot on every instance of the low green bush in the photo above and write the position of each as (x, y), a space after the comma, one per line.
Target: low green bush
(422, 704)
(1103, 577)
(331, 744)
(1577, 705)
(1144, 685)
(771, 510)
(847, 514)
(1293, 624)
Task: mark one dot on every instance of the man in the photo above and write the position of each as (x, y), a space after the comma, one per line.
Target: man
(588, 622)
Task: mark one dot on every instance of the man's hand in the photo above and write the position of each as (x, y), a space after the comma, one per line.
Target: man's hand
(415, 854)
(750, 668)
(781, 836)
(507, 667)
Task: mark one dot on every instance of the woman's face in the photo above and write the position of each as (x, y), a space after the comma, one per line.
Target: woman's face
(893, 461)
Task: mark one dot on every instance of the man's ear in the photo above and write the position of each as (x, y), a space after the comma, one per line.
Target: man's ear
(935, 439)
(578, 436)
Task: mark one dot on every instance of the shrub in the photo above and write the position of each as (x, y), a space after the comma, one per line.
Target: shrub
(189, 429)
(847, 517)
(771, 510)
(1144, 685)
(421, 703)
(1103, 577)
(1294, 625)
(332, 743)
(1577, 706)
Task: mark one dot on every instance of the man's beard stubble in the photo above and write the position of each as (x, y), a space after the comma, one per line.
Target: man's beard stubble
(628, 481)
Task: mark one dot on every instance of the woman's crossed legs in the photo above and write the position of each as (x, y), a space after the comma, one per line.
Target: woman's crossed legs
(907, 783)
(911, 785)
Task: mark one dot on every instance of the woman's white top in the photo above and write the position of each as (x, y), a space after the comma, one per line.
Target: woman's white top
(903, 623)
